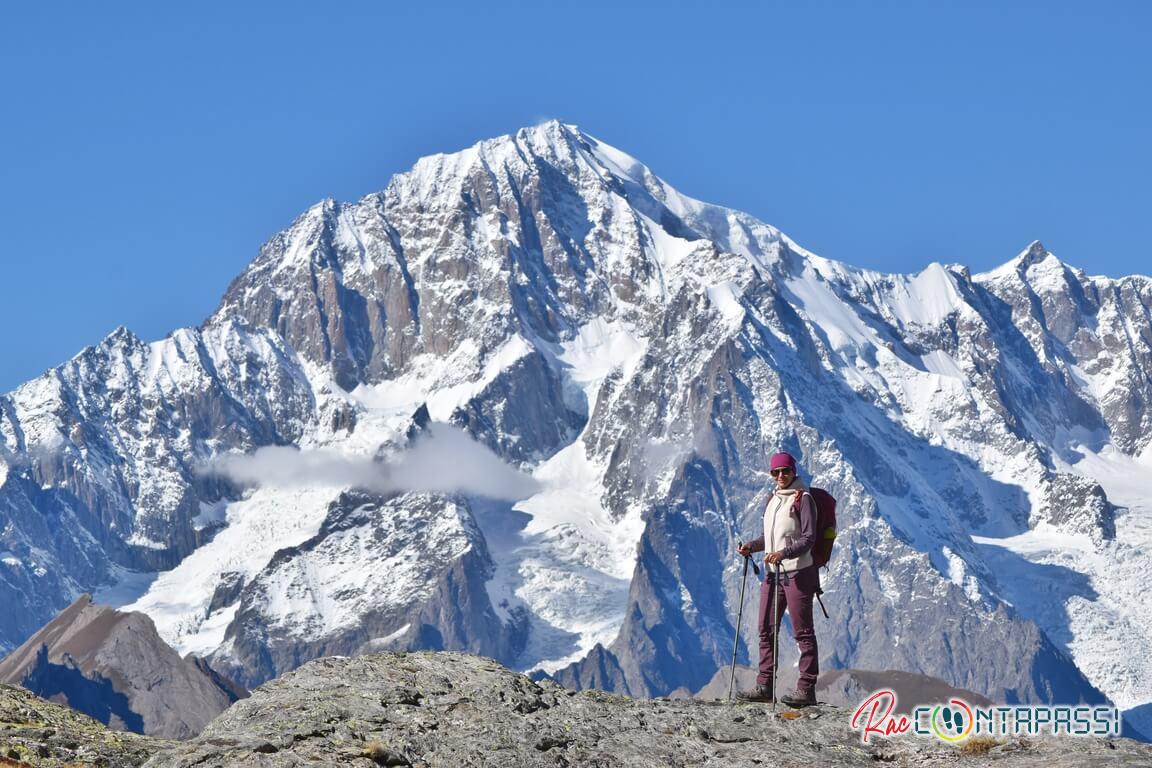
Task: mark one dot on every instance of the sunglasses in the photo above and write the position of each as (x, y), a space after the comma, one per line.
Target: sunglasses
(781, 471)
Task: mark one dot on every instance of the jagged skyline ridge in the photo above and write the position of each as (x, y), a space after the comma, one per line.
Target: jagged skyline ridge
(668, 264)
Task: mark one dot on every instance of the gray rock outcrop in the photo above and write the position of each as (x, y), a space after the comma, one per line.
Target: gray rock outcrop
(36, 732)
(449, 709)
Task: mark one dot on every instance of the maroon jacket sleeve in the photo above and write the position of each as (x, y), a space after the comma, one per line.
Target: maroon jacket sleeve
(807, 536)
(757, 544)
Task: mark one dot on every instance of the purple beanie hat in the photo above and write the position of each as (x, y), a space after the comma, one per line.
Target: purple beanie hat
(781, 460)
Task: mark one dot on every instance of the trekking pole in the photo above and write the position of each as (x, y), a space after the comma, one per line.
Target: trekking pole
(775, 633)
(739, 617)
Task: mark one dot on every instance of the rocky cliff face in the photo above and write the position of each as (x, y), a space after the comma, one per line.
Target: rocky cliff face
(638, 353)
(113, 667)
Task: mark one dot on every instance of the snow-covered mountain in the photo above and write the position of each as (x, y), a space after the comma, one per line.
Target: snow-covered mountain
(638, 353)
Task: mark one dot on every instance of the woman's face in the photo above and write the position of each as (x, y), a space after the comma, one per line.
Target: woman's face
(783, 476)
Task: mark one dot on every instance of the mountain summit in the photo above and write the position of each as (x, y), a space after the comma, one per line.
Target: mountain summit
(639, 354)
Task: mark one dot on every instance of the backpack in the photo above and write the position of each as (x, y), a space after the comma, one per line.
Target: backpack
(825, 504)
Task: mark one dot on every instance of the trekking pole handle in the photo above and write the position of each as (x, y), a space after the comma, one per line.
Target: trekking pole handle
(755, 568)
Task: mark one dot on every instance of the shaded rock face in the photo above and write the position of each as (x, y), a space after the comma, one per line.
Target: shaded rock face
(112, 666)
(516, 414)
(571, 311)
(450, 709)
(97, 698)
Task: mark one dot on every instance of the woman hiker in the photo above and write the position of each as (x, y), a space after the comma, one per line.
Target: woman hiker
(789, 532)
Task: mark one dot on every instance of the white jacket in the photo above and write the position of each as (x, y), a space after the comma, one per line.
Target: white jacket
(788, 532)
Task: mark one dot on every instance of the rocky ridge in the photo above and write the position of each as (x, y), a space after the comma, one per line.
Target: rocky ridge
(450, 709)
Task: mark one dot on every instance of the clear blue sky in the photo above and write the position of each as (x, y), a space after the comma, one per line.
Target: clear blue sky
(148, 149)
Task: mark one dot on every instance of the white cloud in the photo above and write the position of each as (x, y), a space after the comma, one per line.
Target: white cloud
(443, 460)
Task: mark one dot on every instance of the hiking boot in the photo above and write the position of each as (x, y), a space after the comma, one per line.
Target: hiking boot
(759, 693)
(801, 697)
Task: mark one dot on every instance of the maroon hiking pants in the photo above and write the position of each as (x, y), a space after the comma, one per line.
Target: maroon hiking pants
(795, 593)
